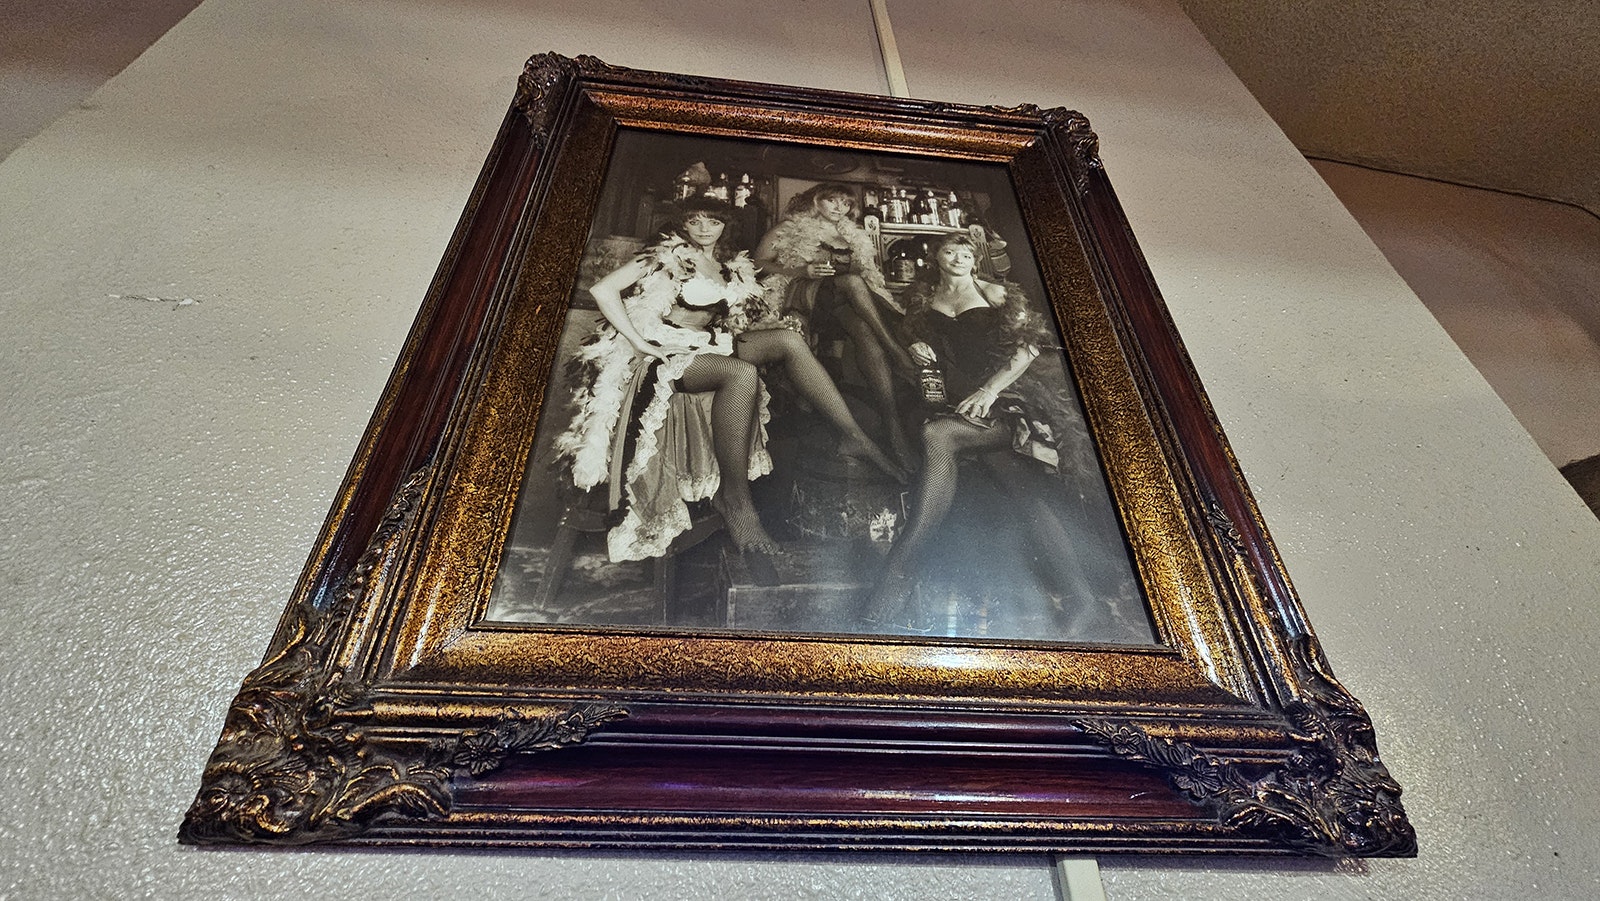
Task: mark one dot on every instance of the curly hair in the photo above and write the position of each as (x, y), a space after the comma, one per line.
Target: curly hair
(710, 207)
(1023, 326)
(805, 202)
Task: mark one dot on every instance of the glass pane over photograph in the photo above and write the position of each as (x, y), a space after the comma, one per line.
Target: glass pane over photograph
(803, 389)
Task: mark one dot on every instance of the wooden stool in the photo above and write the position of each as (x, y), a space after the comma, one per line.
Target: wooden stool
(586, 514)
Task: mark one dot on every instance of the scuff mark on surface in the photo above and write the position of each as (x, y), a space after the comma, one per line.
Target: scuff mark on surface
(151, 298)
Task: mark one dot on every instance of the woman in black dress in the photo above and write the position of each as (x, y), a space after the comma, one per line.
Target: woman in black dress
(984, 337)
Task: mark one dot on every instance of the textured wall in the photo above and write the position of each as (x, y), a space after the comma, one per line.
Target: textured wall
(210, 269)
(1512, 279)
(1499, 93)
(54, 55)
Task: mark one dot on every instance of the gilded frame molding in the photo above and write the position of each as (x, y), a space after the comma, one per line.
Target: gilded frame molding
(387, 712)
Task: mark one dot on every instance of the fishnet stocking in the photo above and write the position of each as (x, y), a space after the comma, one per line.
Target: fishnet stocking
(874, 364)
(1054, 549)
(734, 385)
(866, 308)
(945, 441)
(783, 347)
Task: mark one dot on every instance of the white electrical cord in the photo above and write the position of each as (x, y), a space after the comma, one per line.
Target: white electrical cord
(887, 49)
(1077, 877)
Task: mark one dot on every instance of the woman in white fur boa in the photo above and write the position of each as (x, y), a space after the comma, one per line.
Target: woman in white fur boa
(820, 269)
(672, 408)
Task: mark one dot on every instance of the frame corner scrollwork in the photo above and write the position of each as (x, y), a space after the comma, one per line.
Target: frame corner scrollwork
(1331, 795)
(1083, 145)
(544, 77)
(293, 765)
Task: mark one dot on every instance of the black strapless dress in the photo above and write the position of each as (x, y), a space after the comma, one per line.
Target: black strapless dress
(971, 347)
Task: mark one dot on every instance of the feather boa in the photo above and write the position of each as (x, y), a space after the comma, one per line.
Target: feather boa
(609, 362)
(798, 240)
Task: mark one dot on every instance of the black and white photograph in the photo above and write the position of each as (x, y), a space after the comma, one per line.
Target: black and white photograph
(808, 389)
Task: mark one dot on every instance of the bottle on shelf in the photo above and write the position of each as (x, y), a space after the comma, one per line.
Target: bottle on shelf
(744, 190)
(719, 187)
(682, 186)
(955, 217)
(870, 213)
(901, 264)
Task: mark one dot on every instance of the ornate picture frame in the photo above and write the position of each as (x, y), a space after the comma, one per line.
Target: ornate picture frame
(428, 685)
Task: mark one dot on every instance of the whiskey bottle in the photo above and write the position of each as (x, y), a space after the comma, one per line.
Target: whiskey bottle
(930, 379)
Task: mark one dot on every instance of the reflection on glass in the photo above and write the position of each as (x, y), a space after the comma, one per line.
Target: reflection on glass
(771, 412)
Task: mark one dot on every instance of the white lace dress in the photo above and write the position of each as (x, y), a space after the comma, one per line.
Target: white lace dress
(632, 429)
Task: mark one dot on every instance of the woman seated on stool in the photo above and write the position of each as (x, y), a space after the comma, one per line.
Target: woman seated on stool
(820, 271)
(671, 408)
(984, 338)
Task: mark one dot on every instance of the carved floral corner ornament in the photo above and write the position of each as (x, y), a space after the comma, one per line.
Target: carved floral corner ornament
(1331, 796)
(293, 766)
(543, 78)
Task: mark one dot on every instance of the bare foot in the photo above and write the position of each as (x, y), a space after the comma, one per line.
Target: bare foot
(863, 448)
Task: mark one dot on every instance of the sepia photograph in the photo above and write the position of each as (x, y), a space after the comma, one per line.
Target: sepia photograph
(806, 389)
